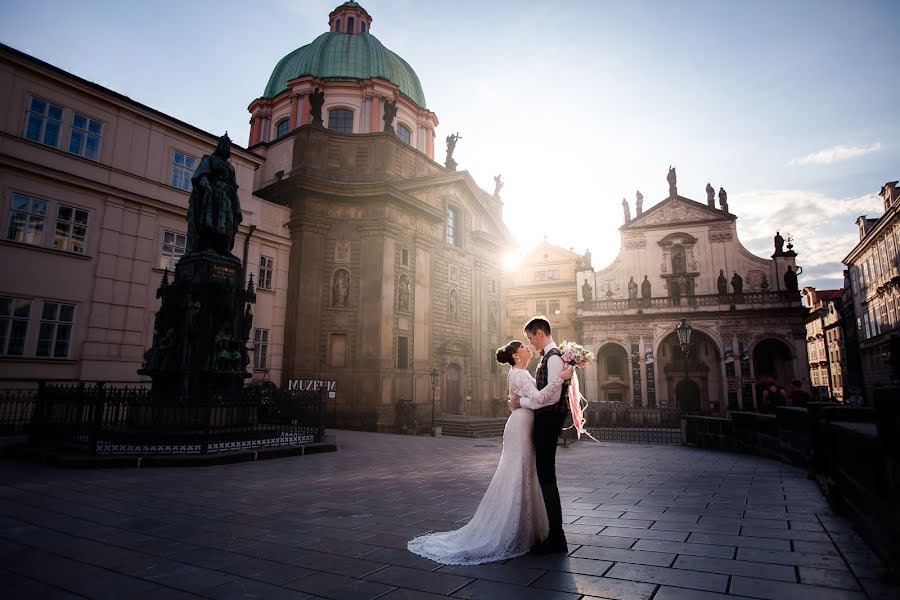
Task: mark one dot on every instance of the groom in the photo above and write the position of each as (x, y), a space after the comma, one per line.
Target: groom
(548, 422)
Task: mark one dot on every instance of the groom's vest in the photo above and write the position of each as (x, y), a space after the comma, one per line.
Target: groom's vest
(541, 378)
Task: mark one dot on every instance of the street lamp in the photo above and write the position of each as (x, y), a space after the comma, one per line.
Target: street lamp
(684, 340)
(434, 375)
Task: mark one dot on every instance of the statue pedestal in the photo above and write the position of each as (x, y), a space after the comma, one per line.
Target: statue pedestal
(450, 164)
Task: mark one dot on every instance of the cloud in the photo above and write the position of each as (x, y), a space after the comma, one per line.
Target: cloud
(834, 154)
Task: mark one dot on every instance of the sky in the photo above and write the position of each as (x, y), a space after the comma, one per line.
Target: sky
(790, 106)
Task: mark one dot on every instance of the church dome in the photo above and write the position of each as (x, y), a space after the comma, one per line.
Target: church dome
(348, 51)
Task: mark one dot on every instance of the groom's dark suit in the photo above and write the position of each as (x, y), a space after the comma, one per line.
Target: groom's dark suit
(548, 422)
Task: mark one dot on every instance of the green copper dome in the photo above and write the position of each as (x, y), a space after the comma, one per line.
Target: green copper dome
(335, 55)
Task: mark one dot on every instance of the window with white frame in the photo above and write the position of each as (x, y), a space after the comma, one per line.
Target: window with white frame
(173, 246)
(282, 128)
(27, 217)
(261, 349)
(403, 133)
(540, 275)
(85, 138)
(183, 167)
(14, 316)
(452, 232)
(540, 307)
(553, 274)
(554, 307)
(71, 229)
(44, 122)
(55, 332)
(264, 281)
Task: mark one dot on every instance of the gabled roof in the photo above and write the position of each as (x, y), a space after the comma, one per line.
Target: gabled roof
(677, 209)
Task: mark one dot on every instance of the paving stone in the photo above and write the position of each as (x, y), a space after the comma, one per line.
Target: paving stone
(736, 567)
(698, 527)
(660, 559)
(435, 581)
(494, 590)
(652, 534)
(565, 564)
(792, 558)
(828, 578)
(667, 576)
(779, 590)
(248, 589)
(710, 550)
(740, 541)
(630, 523)
(607, 541)
(404, 558)
(404, 594)
(674, 593)
(504, 573)
(816, 547)
(342, 565)
(595, 586)
(784, 534)
(339, 587)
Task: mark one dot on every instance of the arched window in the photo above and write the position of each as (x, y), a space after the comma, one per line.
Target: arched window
(403, 293)
(337, 25)
(362, 26)
(403, 133)
(282, 127)
(340, 120)
(350, 25)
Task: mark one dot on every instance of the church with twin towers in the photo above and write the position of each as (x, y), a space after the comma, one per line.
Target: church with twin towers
(377, 260)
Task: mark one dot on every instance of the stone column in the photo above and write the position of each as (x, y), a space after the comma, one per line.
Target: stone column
(305, 117)
(254, 130)
(429, 142)
(375, 114)
(423, 361)
(294, 101)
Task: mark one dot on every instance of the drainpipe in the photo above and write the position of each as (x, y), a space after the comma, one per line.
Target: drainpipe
(246, 252)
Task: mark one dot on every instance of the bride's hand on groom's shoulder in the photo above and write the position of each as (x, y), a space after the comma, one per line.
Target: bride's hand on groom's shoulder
(513, 402)
(566, 374)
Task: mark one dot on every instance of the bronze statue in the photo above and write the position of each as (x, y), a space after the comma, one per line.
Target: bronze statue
(737, 283)
(779, 243)
(722, 283)
(498, 185)
(710, 195)
(587, 291)
(790, 280)
(390, 111)
(632, 288)
(626, 210)
(645, 288)
(214, 210)
(638, 203)
(723, 199)
(316, 100)
(672, 179)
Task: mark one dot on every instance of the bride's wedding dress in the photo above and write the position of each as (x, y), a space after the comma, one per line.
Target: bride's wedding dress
(511, 517)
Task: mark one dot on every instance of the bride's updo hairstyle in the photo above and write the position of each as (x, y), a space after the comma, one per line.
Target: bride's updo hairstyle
(505, 353)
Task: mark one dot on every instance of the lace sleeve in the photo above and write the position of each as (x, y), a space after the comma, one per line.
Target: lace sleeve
(529, 396)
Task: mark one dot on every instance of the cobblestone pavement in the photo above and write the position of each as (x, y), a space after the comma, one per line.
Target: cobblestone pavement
(643, 522)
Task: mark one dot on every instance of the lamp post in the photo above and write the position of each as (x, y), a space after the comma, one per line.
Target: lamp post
(434, 375)
(684, 340)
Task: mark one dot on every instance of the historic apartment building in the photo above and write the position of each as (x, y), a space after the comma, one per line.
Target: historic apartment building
(376, 267)
(875, 290)
(682, 258)
(825, 344)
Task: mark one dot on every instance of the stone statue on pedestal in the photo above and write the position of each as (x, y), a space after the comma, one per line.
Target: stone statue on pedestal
(390, 111)
(632, 288)
(316, 100)
(586, 291)
(645, 290)
(626, 210)
(790, 280)
(672, 179)
(723, 199)
(710, 195)
(450, 163)
(722, 283)
(498, 185)
(638, 203)
(214, 210)
(779, 244)
(737, 283)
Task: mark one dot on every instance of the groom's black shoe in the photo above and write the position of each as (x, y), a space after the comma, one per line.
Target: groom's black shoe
(551, 546)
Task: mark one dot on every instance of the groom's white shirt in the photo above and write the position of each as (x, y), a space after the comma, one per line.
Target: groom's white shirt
(554, 367)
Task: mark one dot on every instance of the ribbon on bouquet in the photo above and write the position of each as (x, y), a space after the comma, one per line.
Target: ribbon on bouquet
(577, 404)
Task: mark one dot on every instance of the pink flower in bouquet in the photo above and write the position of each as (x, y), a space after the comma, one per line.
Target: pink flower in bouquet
(575, 354)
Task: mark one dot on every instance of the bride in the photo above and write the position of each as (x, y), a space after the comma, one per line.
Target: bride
(511, 517)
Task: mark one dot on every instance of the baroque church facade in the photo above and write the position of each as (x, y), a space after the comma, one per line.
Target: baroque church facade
(682, 259)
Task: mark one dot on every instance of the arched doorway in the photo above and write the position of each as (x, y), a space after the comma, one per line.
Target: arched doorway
(613, 374)
(772, 360)
(702, 391)
(452, 392)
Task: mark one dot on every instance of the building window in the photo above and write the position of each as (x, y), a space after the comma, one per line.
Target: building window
(261, 349)
(350, 24)
(493, 286)
(85, 138)
(554, 307)
(362, 26)
(452, 227)
(173, 245)
(540, 307)
(404, 257)
(340, 120)
(553, 274)
(338, 354)
(402, 352)
(71, 229)
(403, 133)
(56, 329)
(44, 122)
(27, 217)
(183, 167)
(540, 275)
(282, 127)
(14, 315)
(264, 281)
(614, 366)
(337, 25)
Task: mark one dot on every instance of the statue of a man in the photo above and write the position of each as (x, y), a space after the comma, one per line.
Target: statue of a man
(710, 195)
(586, 261)
(626, 210)
(451, 144)
(340, 289)
(586, 291)
(645, 288)
(790, 280)
(672, 179)
(390, 111)
(723, 199)
(498, 185)
(737, 283)
(779, 243)
(722, 283)
(639, 203)
(214, 210)
(316, 100)
(632, 288)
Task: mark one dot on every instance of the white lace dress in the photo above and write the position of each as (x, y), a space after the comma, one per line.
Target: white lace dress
(511, 517)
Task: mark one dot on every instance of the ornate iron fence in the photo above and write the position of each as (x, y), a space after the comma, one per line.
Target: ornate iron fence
(127, 420)
(615, 422)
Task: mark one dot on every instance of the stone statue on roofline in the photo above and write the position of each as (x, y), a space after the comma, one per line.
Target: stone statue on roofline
(723, 199)
(672, 178)
(214, 209)
(722, 283)
(390, 111)
(586, 291)
(450, 163)
(626, 210)
(316, 100)
(790, 280)
(779, 244)
(638, 203)
(498, 185)
(710, 195)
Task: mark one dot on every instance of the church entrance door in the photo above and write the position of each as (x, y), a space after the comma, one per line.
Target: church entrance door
(687, 394)
(451, 391)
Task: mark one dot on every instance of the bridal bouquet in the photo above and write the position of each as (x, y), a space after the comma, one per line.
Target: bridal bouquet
(578, 356)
